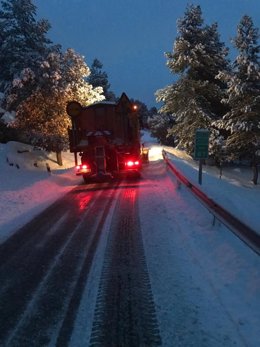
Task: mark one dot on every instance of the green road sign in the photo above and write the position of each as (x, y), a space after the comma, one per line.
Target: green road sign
(201, 144)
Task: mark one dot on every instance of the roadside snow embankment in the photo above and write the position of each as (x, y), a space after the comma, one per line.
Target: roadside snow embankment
(27, 187)
(234, 190)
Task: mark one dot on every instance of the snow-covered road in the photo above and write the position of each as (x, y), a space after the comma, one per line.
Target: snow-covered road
(205, 282)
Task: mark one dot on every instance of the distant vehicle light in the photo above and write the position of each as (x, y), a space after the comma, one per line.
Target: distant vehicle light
(84, 166)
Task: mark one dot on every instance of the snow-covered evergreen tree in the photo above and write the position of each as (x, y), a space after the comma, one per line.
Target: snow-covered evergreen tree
(159, 125)
(243, 96)
(42, 115)
(37, 78)
(197, 57)
(23, 39)
(99, 78)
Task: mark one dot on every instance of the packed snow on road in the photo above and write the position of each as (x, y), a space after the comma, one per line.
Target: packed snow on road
(201, 274)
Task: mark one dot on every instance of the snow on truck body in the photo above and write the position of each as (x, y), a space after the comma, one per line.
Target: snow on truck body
(106, 136)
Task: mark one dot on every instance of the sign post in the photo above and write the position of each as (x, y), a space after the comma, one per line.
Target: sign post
(201, 148)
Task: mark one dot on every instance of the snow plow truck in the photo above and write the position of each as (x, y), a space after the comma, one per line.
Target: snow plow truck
(106, 136)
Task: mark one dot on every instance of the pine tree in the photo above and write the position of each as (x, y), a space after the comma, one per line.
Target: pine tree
(22, 40)
(159, 124)
(38, 79)
(99, 78)
(42, 115)
(243, 97)
(197, 57)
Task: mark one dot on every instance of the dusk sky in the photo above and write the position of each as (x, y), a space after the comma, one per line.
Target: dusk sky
(130, 37)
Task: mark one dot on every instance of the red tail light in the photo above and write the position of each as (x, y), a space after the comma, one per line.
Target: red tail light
(129, 163)
(132, 163)
(83, 169)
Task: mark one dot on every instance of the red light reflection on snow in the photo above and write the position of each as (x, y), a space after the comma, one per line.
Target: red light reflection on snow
(83, 201)
(130, 195)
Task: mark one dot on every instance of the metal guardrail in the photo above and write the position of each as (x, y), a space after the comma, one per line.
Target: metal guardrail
(249, 236)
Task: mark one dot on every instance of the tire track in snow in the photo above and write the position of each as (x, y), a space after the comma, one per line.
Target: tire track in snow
(125, 313)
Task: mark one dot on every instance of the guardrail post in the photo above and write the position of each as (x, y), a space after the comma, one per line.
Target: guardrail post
(200, 171)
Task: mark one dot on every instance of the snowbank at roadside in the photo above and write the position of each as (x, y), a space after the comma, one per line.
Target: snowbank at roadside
(27, 187)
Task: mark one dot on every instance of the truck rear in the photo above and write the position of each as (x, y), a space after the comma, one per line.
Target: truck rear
(106, 136)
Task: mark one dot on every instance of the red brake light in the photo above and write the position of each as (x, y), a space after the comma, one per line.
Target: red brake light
(83, 169)
(132, 163)
(129, 163)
